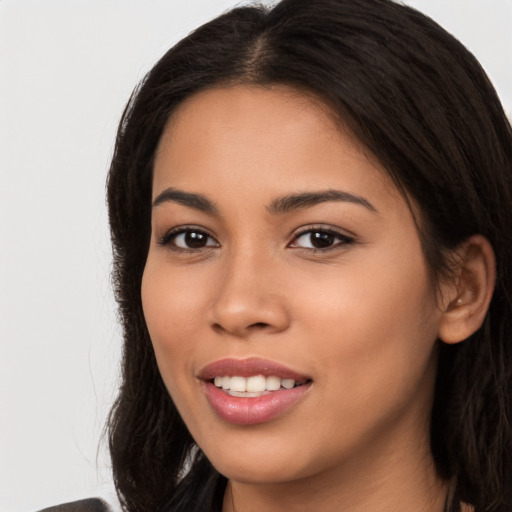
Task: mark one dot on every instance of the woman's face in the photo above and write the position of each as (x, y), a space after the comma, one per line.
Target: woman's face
(283, 262)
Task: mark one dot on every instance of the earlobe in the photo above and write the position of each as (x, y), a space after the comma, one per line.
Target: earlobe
(470, 293)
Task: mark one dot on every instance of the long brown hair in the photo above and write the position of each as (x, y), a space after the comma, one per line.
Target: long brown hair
(421, 103)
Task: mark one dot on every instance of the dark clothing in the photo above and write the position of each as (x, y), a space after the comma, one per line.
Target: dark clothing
(88, 505)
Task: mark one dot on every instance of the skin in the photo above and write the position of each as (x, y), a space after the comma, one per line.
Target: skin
(360, 318)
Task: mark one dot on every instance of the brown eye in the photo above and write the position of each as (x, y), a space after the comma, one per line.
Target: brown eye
(195, 240)
(321, 240)
(189, 239)
(318, 239)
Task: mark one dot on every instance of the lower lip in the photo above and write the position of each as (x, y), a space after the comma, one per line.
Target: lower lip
(251, 411)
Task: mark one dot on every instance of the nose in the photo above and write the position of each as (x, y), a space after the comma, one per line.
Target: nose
(247, 299)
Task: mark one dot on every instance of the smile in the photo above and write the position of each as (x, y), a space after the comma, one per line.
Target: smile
(252, 391)
(254, 386)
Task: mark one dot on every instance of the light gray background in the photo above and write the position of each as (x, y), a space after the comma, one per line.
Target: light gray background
(66, 69)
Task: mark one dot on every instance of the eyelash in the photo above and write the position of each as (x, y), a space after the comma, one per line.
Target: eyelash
(345, 239)
(170, 236)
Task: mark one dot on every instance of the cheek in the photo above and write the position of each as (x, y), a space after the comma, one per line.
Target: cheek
(376, 322)
(171, 304)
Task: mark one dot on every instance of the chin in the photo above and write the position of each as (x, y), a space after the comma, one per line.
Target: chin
(271, 461)
(259, 463)
(264, 473)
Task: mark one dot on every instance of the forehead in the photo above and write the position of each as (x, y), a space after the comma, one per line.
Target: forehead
(265, 137)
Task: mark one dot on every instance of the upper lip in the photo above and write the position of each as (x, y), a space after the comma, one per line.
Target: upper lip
(248, 368)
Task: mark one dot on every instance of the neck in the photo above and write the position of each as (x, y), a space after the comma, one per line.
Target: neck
(241, 497)
(396, 477)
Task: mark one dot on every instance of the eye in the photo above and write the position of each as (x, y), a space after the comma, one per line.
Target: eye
(320, 239)
(188, 239)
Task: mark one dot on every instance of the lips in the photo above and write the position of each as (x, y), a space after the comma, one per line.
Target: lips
(252, 391)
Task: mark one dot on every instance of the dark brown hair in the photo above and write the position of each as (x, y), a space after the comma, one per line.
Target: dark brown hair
(421, 103)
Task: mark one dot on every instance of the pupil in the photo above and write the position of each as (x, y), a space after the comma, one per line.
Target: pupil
(195, 240)
(321, 240)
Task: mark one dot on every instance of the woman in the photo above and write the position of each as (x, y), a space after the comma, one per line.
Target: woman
(309, 213)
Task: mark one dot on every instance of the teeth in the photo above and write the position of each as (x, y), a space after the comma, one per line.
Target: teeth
(238, 384)
(288, 383)
(256, 384)
(252, 386)
(273, 383)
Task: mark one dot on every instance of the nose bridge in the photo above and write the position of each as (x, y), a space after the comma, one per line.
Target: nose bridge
(246, 298)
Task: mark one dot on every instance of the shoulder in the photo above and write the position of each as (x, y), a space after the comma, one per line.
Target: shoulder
(88, 505)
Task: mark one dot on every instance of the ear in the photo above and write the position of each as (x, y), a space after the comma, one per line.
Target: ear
(466, 298)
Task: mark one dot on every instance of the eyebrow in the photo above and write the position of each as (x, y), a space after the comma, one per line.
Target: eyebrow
(305, 200)
(192, 200)
(280, 205)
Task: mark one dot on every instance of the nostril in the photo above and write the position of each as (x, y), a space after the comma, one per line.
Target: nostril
(255, 326)
(217, 327)
(259, 325)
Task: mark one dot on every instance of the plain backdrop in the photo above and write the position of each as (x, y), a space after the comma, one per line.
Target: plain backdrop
(66, 70)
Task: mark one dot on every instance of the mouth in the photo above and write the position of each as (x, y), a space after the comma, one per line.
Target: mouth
(252, 391)
(254, 386)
